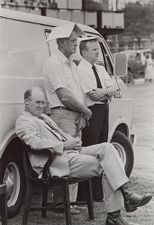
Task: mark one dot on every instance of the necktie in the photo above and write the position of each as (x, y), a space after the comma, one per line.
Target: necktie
(53, 129)
(99, 85)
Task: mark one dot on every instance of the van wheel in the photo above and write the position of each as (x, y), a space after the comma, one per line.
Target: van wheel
(125, 150)
(11, 173)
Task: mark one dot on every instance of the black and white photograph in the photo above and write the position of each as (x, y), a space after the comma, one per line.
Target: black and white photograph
(77, 112)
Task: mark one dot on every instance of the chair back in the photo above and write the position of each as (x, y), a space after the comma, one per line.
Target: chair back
(29, 171)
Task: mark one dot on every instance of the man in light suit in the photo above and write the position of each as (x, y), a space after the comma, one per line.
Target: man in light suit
(39, 131)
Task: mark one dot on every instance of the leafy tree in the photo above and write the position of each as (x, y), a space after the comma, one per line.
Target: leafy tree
(139, 20)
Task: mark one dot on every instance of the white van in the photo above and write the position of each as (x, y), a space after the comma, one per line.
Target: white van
(23, 52)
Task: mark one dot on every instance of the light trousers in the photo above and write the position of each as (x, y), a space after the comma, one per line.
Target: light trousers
(95, 159)
(67, 121)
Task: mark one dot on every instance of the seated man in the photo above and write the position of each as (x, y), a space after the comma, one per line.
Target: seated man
(39, 131)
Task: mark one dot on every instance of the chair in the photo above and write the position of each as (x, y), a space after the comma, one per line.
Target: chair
(47, 181)
(3, 204)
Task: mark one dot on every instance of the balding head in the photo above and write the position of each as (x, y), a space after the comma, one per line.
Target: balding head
(34, 101)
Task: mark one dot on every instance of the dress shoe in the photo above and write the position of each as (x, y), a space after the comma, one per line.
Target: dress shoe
(79, 207)
(74, 210)
(115, 218)
(133, 200)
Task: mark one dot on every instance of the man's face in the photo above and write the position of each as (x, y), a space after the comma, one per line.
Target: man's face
(92, 52)
(70, 44)
(35, 105)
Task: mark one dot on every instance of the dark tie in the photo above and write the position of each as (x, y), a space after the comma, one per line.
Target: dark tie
(99, 85)
(54, 130)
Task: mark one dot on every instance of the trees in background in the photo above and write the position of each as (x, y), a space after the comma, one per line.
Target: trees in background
(139, 22)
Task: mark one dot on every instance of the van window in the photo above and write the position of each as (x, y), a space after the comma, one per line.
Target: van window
(107, 61)
(24, 53)
(52, 45)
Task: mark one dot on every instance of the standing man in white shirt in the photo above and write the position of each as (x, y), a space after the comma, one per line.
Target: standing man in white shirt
(62, 86)
(98, 89)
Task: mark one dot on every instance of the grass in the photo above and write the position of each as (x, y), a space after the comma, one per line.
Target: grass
(144, 215)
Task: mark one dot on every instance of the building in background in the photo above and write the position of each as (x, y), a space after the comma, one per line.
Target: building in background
(106, 16)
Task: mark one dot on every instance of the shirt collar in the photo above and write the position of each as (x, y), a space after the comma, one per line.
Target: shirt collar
(63, 58)
(26, 113)
(87, 64)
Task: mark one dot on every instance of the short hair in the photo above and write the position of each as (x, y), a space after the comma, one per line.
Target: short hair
(28, 94)
(60, 40)
(83, 45)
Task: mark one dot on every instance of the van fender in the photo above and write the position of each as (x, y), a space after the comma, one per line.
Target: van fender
(7, 139)
(120, 124)
(12, 173)
(119, 137)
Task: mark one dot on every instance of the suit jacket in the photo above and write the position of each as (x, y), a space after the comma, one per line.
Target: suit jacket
(38, 135)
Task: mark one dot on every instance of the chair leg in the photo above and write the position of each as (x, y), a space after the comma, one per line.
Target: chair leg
(67, 203)
(90, 200)
(44, 197)
(3, 206)
(28, 201)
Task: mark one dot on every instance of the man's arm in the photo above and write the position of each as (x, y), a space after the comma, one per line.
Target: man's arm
(100, 94)
(58, 83)
(71, 102)
(73, 143)
(27, 130)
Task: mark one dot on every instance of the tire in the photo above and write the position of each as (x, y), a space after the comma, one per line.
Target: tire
(11, 173)
(125, 150)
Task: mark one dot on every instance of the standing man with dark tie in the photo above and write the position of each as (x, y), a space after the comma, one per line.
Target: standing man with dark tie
(98, 89)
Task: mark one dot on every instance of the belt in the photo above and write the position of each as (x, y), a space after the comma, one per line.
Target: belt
(62, 108)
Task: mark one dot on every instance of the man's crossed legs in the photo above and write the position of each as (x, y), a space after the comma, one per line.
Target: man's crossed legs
(95, 159)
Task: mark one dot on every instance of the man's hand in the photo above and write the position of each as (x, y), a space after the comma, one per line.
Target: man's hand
(98, 94)
(111, 93)
(87, 114)
(54, 152)
(72, 143)
(81, 122)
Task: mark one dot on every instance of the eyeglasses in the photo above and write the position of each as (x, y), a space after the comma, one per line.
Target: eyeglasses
(40, 103)
(37, 102)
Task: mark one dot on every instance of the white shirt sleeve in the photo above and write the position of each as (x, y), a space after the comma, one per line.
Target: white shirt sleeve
(86, 83)
(54, 75)
(106, 77)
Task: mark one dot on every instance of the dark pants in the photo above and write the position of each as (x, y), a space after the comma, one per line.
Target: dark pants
(95, 133)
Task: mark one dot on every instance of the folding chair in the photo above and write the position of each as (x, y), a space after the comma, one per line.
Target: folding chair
(47, 181)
